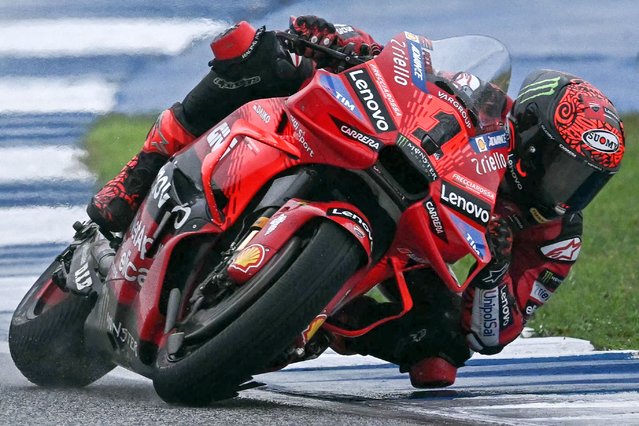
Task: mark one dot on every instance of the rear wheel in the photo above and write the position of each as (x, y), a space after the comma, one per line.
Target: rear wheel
(304, 280)
(46, 336)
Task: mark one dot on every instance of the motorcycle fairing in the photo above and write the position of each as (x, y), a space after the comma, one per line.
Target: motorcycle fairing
(264, 138)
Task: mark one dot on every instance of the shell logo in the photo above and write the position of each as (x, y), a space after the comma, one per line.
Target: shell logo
(312, 328)
(251, 257)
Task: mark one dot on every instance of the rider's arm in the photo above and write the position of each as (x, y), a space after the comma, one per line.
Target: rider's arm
(248, 65)
(252, 65)
(494, 313)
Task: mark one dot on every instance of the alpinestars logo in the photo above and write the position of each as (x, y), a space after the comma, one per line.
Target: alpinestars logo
(367, 93)
(563, 251)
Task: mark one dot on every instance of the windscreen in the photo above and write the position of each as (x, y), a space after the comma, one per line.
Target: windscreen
(478, 68)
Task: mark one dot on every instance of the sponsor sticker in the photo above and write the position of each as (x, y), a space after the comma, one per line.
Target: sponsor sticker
(386, 92)
(563, 251)
(539, 88)
(465, 203)
(601, 140)
(216, 137)
(418, 157)
(540, 292)
(336, 87)
(418, 73)
(490, 141)
(486, 316)
(411, 36)
(251, 257)
(530, 308)
(489, 162)
(275, 222)
(473, 186)
(455, 103)
(436, 226)
(360, 80)
(357, 135)
(83, 277)
(505, 315)
(353, 217)
(312, 328)
(401, 73)
(261, 112)
(473, 237)
(550, 279)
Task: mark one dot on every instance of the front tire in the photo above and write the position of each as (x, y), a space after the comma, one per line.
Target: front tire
(46, 337)
(214, 370)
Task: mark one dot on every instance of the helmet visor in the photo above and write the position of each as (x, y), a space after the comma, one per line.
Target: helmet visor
(563, 183)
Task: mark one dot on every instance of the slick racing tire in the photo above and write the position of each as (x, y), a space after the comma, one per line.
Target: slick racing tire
(46, 337)
(268, 325)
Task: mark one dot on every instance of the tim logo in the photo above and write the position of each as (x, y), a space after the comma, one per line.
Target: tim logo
(563, 251)
(335, 86)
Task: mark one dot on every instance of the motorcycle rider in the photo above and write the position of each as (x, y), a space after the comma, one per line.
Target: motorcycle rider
(568, 142)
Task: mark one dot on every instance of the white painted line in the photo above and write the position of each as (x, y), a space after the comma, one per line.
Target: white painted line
(32, 225)
(520, 348)
(42, 95)
(99, 36)
(42, 163)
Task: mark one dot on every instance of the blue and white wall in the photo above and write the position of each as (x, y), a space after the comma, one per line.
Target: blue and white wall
(58, 75)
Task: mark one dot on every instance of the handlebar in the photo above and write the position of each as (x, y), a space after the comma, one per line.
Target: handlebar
(293, 42)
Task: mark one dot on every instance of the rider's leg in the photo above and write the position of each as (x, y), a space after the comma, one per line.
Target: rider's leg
(249, 65)
(114, 206)
(427, 342)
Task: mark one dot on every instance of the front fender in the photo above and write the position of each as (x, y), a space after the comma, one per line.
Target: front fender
(286, 222)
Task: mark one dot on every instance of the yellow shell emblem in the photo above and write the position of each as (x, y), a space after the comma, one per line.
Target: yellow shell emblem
(312, 328)
(251, 257)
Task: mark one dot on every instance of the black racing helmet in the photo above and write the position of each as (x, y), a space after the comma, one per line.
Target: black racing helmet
(569, 142)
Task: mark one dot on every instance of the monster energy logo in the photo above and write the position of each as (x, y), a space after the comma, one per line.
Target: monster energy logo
(539, 88)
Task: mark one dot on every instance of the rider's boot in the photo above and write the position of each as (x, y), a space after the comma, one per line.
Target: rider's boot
(115, 205)
(427, 342)
(433, 372)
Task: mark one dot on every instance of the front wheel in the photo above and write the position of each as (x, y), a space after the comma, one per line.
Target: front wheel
(304, 286)
(46, 336)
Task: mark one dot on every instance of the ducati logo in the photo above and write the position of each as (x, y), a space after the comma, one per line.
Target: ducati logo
(563, 251)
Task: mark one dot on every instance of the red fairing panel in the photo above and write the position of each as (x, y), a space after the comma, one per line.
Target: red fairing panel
(286, 222)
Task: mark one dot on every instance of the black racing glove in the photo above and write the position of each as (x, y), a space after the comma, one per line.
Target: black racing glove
(500, 242)
(490, 315)
(345, 38)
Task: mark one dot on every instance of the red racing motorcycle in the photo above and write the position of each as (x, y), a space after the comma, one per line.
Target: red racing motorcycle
(255, 236)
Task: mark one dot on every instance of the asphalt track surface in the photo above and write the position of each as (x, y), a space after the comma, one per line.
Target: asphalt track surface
(43, 189)
(589, 388)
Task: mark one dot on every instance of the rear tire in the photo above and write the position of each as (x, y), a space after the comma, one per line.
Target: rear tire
(46, 337)
(214, 370)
